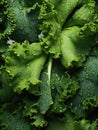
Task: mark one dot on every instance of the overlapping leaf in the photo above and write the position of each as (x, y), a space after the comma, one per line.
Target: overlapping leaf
(24, 64)
(87, 97)
(34, 93)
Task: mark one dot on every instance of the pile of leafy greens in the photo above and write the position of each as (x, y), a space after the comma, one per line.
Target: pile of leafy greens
(48, 64)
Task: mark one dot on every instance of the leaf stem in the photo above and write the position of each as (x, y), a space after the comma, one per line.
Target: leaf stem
(50, 67)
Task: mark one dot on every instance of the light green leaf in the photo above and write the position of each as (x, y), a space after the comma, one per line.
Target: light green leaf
(24, 65)
(39, 121)
(83, 15)
(75, 46)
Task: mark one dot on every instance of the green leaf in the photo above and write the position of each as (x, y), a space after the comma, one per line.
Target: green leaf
(63, 13)
(63, 87)
(50, 40)
(53, 28)
(24, 65)
(75, 46)
(39, 121)
(13, 122)
(86, 98)
(24, 24)
(30, 108)
(45, 100)
(83, 15)
(16, 21)
(69, 123)
(6, 92)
